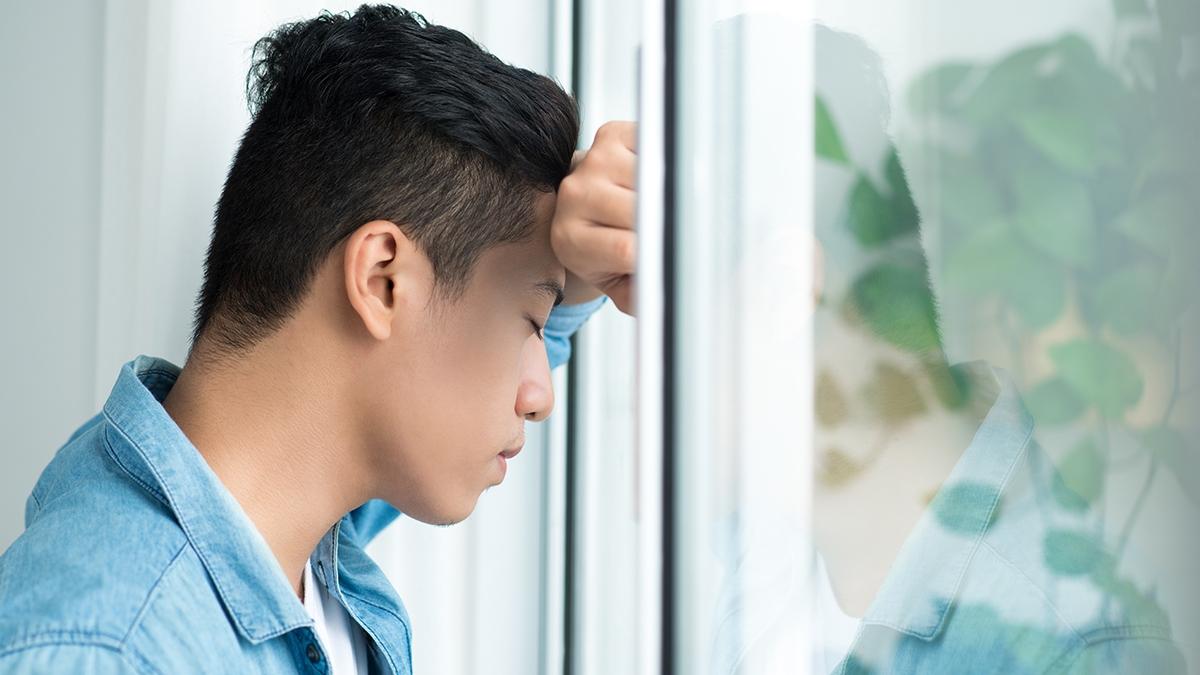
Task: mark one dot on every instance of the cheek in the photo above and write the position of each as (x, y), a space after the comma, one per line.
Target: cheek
(464, 378)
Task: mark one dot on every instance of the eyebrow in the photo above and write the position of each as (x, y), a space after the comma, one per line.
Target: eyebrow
(551, 288)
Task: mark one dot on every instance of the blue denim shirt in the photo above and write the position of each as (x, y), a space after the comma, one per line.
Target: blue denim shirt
(135, 557)
(1006, 574)
(1002, 574)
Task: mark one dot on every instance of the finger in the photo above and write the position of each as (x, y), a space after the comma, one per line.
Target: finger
(622, 293)
(619, 132)
(609, 205)
(599, 253)
(577, 158)
(615, 163)
(623, 168)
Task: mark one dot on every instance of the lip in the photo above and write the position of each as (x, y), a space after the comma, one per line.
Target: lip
(511, 452)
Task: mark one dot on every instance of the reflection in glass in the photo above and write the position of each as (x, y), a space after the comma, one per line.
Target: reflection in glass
(1006, 473)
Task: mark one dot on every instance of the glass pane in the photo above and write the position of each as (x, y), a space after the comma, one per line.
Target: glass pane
(604, 523)
(1005, 200)
(743, 348)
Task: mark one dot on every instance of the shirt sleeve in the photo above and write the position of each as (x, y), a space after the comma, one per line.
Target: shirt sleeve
(563, 322)
(370, 518)
(68, 658)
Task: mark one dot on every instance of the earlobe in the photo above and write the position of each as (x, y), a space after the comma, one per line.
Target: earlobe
(382, 267)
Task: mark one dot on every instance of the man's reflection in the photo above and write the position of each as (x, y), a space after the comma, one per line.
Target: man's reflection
(950, 540)
(939, 517)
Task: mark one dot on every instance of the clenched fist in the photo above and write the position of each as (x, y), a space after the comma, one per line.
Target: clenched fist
(593, 229)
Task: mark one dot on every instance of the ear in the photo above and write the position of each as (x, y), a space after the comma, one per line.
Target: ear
(386, 273)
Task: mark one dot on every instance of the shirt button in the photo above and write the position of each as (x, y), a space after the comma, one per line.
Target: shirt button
(321, 570)
(313, 655)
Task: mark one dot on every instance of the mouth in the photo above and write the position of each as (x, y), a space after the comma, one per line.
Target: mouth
(504, 455)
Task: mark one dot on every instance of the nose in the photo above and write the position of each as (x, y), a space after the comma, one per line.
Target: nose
(535, 392)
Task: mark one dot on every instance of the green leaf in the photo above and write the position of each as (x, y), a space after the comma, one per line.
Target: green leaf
(965, 508)
(1126, 299)
(893, 396)
(1181, 16)
(830, 405)
(1079, 479)
(875, 219)
(1124, 8)
(904, 209)
(993, 259)
(835, 468)
(1010, 84)
(985, 260)
(828, 142)
(1053, 401)
(896, 303)
(1164, 442)
(940, 88)
(1071, 553)
(869, 214)
(1164, 155)
(1078, 81)
(1055, 215)
(1139, 608)
(967, 196)
(951, 384)
(1101, 375)
(1074, 142)
(1180, 279)
(1173, 450)
(1037, 290)
(1161, 223)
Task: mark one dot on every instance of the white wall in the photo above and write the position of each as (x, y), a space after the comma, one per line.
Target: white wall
(50, 102)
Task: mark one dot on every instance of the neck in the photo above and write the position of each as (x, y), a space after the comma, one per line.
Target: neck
(865, 511)
(274, 430)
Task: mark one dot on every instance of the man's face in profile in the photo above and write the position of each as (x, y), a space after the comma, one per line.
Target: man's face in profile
(463, 378)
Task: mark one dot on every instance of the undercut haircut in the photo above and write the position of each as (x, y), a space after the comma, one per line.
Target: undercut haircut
(374, 115)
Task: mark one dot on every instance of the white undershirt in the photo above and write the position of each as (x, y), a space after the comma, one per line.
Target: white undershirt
(342, 638)
(834, 630)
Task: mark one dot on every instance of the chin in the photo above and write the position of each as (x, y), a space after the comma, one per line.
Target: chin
(445, 514)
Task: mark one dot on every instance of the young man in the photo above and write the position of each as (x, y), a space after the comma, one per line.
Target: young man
(379, 317)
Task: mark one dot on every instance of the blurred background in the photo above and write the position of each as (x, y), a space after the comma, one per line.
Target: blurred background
(863, 223)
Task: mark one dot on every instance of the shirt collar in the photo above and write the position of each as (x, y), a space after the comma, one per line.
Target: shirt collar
(925, 579)
(147, 443)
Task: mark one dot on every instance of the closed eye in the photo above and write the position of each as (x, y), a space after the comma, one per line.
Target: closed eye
(538, 329)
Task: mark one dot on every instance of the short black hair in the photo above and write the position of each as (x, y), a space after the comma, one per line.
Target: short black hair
(372, 115)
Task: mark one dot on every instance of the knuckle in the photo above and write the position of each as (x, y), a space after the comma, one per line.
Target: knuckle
(564, 241)
(625, 252)
(568, 192)
(603, 131)
(558, 236)
(572, 189)
(609, 132)
(616, 131)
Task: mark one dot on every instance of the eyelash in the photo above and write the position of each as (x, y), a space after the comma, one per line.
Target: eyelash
(538, 330)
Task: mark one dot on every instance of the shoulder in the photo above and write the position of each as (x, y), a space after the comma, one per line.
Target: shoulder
(96, 547)
(1124, 650)
(1053, 583)
(59, 656)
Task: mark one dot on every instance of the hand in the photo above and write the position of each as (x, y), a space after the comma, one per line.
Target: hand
(593, 228)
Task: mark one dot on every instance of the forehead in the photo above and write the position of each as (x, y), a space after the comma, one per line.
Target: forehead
(531, 260)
